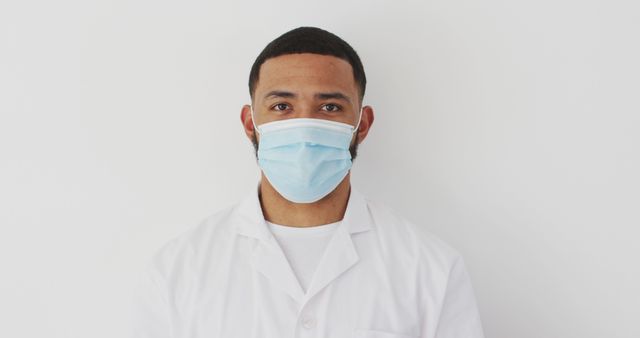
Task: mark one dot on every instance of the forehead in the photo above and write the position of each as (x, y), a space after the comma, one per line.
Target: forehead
(296, 72)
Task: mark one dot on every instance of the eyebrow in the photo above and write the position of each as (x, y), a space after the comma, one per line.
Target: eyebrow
(321, 96)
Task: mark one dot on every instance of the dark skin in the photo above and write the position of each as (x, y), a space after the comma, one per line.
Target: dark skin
(306, 86)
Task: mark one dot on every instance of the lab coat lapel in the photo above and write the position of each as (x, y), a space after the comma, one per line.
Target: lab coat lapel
(269, 260)
(267, 256)
(341, 254)
(272, 263)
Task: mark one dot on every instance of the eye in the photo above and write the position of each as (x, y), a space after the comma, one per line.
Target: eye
(331, 107)
(280, 106)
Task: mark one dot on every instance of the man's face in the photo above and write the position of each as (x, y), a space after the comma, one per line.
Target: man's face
(306, 86)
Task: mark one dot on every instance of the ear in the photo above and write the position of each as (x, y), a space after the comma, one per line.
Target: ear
(365, 123)
(247, 121)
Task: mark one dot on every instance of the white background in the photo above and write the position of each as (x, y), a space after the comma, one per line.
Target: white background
(508, 128)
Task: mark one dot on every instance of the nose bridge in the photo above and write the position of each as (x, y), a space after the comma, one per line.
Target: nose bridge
(305, 108)
(305, 112)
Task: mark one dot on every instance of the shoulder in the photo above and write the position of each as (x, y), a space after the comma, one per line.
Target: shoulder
(182, 252)
(413, 241)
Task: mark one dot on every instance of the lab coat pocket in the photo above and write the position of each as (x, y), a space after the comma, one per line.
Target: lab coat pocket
(367, 333)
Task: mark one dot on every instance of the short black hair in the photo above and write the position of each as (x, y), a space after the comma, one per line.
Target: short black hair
(310, 40)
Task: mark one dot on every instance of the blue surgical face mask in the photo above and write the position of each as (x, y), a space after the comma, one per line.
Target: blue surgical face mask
(305, 159)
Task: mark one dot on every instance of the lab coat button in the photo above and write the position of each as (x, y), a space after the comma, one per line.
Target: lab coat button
(308, 322)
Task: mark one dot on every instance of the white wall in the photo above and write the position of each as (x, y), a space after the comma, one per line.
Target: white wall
(508, 128)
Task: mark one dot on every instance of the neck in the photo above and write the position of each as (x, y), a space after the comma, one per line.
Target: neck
(279, 210)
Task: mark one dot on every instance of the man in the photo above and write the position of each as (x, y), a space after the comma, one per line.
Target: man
(305, 254)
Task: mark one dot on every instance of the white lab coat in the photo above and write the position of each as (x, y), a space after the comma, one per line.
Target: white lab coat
(379, 278)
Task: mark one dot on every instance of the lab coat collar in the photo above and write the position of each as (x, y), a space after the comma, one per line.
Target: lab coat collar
(269, 259)
(251, 220)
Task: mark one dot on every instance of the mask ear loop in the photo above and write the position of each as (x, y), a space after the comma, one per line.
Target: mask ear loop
(359, 119)
(255, 128)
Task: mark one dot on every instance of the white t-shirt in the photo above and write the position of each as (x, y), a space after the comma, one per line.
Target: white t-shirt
(303, 247)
